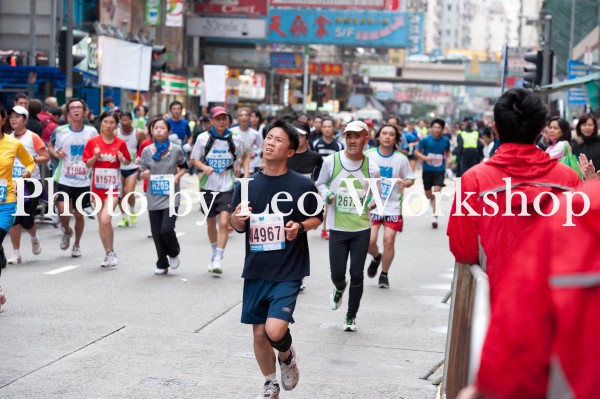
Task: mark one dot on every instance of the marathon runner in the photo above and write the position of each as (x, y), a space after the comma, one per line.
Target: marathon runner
(277, 255)
(252, 141)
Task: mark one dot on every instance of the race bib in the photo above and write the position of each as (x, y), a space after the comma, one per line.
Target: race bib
(386, 187)
(219, 161)
(344, 202)
(266, 233)
(76, 170)
(3, 189)
(18, 169)
(161, 184)
(437, 161)
(106, 178)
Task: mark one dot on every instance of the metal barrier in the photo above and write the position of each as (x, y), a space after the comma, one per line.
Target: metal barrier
(467, 327)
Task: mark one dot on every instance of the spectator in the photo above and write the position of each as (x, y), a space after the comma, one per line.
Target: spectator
(559, 135)
(33, 122)
(49, 121)
(108, 104)
(587, 129)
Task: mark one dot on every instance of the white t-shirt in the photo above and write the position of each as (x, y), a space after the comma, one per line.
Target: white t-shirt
(253, 142)
(395, 165)
(71, 170)
(220, 159)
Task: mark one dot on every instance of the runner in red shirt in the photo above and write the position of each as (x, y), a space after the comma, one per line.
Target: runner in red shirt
(105, 154)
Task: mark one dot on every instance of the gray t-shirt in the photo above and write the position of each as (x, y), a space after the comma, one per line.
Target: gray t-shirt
(157, 192)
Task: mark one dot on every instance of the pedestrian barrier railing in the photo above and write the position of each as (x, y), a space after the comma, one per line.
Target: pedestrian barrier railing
(467, 327)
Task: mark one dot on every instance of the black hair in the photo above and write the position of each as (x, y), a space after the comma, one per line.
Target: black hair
(302, 126)
(108, 114)
(127, 113)
(564, 127)
(2, 114)
(52, 110)
(327, 119)
(107, 100)
(319, 117)
(138, 107)
(583, 119)
(398, 134)
(19, 96)
(288, 118)
(74, 100)
(174, 103)
(205, 118)
(35, 107)
(519, 116)
(487, 132)
(257, 114)
(160, 118)
(289, 130)
(439, 121)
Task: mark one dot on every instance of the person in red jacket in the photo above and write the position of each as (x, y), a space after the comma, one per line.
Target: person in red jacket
(499, 201)
(542, 340)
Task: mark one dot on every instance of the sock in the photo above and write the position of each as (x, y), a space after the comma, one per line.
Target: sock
(272, 378)
(384, 274)
(35, 237)
(17, 252)
(219, 253)
(378, 257)
(288, 360)
(213, 245)
(132, 210)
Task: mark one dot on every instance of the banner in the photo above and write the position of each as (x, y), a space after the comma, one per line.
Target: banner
(286, 60)
(337, 27)
(234, 28)
(174, 13)
(392, 5)
(232, 7)
(195, 87)
(252, 87)
(152, 13)
(123, 64)
(416, 35)
(171, 84)
(215, 77)
(577, 69)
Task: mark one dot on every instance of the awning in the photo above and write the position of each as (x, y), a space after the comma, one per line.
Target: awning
(568, 84)
(18, 77)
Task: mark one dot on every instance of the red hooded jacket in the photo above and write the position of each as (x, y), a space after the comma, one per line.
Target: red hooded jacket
(49, 125)
(494, 225)
(542, 341)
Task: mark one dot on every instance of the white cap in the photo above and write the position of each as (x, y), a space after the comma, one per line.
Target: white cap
(356, 126)
(19, 109)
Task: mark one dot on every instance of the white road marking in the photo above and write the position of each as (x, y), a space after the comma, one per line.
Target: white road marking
(437, 286)
(331, 325)
(249, 355)
(180, 234)
(62, 270)
(440, 330)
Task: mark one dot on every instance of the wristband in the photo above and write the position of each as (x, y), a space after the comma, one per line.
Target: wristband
(329, 194)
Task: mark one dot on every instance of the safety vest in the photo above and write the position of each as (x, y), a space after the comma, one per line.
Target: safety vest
(470, 139)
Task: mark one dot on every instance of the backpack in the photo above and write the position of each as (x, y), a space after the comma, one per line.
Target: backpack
(211, 142)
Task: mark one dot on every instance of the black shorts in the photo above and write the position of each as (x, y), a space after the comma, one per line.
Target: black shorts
(222, 202)
(74, 193)
(129, 172)
(431, 179)
(30, 208)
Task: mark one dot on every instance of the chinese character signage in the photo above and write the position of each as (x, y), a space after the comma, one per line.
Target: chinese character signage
(349, 28)
(577, 69)
(286, 60)
(416, 33)
(231, 7)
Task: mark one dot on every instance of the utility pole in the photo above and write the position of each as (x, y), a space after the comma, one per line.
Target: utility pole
(52, 50)
(69, 67)
(31, 33)
(547, 67)
(306, 78)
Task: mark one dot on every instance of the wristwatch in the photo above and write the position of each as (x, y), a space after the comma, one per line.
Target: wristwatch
(300, 228)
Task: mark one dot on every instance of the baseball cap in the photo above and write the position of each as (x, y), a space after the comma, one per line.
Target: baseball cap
(356, 126)
(300, 131)
(19, 109)
(369, 122)
(216, 111)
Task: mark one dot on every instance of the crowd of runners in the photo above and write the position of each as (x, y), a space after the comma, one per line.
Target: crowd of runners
(346, 178)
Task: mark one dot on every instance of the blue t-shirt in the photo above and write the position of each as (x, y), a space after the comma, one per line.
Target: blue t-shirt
(181, 128)
(324, 149)
(292, 262)
(437, 147)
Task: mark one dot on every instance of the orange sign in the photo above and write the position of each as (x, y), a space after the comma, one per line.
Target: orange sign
(323, 69)
(330, 69)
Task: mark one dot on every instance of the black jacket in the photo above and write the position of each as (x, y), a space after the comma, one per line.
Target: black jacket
(591, 148)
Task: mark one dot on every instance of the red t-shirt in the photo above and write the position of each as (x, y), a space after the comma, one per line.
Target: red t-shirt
(143, 145)
(106, 171)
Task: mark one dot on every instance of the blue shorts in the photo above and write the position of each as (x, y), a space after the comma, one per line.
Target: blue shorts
(6, 215)
(267, 299)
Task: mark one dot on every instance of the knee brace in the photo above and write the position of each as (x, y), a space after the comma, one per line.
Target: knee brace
(284, 344)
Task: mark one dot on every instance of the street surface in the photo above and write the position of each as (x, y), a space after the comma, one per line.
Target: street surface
(73, 330)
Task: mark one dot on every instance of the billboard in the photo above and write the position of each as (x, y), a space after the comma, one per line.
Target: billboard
(232, 7)
(233, 28)
(577, 69)
(390, 5)
(337, 27)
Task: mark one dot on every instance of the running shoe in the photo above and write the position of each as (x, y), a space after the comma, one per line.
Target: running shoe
(15, 260)
(270, 390)
(289, 372)
(3, 300)
(335, 299)
(174, 262)
(123, 223)
(324, 235)
(215, 266)
(112, 259)
(434, 222)
(383, 281)
(76, 253)
(302, 285)
(65, 241)
(158, 271)
(36, 246)
(105, 261)
(372, 269)
(133, 220)
(350, 324)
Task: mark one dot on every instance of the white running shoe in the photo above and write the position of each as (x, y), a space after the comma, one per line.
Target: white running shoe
(158, 271)
(215, 266)
(174, 262)
(65, 241)
(105, 261)
(335, 298)
(290, 375)
(15, 260)
(76, 253)
(434, 222)
(350, 324)
(112, 259)
(269, 390)
(36, 246)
